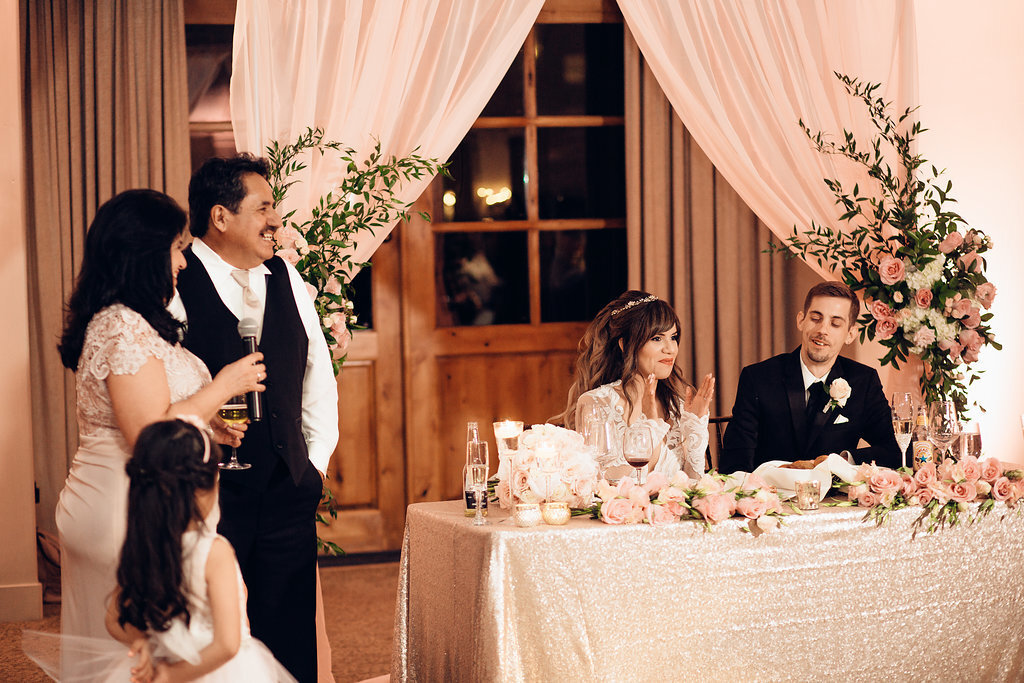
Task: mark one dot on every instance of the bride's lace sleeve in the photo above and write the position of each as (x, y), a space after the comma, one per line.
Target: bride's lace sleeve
(119, 341)
(688, 440)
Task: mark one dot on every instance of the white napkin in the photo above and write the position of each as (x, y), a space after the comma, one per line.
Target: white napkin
(784, 479)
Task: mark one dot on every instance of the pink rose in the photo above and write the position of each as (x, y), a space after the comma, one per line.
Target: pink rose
(972, 468)
(880, 310)
(886, 328)
(754, 482)
(953, 241)
(333, 286)
(615, 511)
(984, 488)
(716, 506)
(655, 482)
(286, 236)
(954, 352)
(940, 492)
(504, 491)
(709, 484)
(909, 485)
(961, 308)
(924, 337)
(660, 515)
(985, 294)
(866, 470)
(854, 491)
(946, 470)
(766, 523)
(923, 298)
(751, 507)
(924, 496)
(626, 485)
(973, 318)
(885, 480)
(925, 475)
(991, 469)
(675, 507)
(963, 492)
(637, 513)
(342, 338)
(289, 255)
(891, 270)
(867, 499)
(311, 290)
(969, 260)
(1002, 489)
(638, 496)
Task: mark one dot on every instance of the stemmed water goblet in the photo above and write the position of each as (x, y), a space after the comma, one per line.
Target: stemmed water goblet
(970, 440)
(234, 412)
(943, 426)
(637, 446)
(600, 436)
(903, 421)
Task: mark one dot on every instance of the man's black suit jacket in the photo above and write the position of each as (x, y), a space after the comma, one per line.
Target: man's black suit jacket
(769, 420)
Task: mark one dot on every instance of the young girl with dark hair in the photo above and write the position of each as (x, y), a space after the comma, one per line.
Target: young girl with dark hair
(180, 601)
(626, 373)
(130, 370)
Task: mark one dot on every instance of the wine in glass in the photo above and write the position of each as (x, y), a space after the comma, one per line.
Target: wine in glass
(943, 426)
(970, 440)
(903, 421)
(637, 446)
(234, 412)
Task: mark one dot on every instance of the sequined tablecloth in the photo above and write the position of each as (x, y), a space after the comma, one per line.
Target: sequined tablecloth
(828, 596)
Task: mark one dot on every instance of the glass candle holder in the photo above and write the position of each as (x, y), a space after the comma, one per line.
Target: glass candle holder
(556, 513)
(506, 434)
(526, 514)
(807, 494)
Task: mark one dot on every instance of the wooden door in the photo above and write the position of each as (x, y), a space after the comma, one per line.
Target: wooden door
(528, 242)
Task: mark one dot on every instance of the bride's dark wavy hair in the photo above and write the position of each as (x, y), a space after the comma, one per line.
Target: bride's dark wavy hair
(128, 261)
(166, 471)
(629, 319)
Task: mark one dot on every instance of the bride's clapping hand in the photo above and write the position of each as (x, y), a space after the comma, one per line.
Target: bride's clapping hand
(699, 403)
(225, 434)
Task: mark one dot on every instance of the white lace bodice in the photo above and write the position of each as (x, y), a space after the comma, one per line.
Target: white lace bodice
(119, 341)
(682, 443)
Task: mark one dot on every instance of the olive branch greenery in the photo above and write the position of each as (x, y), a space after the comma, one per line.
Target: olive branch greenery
(902, 225)
(320, 246)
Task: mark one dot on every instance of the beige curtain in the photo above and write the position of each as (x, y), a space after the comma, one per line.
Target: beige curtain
(106, 100)
(695, 242)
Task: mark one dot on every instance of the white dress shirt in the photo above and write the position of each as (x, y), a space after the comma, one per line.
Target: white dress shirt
(319, 387)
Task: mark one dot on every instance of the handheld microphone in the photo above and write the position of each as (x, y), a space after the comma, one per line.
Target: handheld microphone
(247, 329)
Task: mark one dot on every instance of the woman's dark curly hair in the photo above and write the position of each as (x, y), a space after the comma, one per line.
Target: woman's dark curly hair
(127, 261)
(631, 320)
(166, 470)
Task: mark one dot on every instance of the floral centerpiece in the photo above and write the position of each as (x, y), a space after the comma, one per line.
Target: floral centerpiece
(944, 492)
(551, 464)
(709, 500)
(920, 269)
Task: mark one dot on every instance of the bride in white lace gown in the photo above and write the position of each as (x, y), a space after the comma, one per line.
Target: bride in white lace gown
(130, 371)
(626, 374)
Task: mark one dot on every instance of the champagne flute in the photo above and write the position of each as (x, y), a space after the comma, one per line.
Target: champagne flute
(637, 445)
(903, 421)
(234, 412)
(478, 466)
(943, 426)
(970, 440)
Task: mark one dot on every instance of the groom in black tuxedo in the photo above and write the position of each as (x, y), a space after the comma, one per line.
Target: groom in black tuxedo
(783, 409)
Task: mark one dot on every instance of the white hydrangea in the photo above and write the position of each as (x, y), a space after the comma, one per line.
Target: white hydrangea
(927, 276)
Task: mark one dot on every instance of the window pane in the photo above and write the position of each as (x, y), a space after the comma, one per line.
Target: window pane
(210, 144)
(579, 69)
(487, 180)
(361, 293)
(581, 172)
(581, 271)
(208, 57)
(484, 278)
(507, 100)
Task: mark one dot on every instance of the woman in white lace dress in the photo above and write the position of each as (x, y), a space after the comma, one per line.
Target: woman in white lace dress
(130, 370)
(626, 374)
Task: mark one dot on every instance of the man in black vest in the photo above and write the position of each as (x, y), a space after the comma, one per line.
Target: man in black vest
(811, 401)
(267, 512)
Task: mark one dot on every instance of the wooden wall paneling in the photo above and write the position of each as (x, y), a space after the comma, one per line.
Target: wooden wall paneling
(352, 475)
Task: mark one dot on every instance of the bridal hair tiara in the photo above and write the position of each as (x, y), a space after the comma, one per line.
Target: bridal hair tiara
(635, 302)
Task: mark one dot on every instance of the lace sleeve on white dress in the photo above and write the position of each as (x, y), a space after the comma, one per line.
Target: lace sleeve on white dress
(688, 440)
(119, 341)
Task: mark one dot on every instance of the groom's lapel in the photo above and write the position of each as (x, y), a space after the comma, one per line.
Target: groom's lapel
(822, 418)
(794, 384)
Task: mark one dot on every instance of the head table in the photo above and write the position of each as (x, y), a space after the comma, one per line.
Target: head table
(827, 595)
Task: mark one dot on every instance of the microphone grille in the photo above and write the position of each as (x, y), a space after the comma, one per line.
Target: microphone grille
(247, 327)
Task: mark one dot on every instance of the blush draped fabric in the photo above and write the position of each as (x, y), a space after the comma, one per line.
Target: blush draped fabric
(741, 75)
(409, 73)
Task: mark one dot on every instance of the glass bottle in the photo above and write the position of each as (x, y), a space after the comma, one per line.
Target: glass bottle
(472, 457)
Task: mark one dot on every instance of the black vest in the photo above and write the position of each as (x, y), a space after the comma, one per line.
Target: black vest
(213, 336)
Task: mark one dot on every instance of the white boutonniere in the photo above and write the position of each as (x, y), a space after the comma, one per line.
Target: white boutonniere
(839, 393)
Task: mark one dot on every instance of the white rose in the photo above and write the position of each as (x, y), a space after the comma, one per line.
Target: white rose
(839, 391)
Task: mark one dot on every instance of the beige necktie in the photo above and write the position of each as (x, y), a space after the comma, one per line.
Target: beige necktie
(250, 301)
